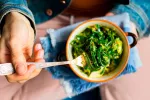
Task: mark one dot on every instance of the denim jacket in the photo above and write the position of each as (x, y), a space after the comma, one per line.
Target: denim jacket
(139, 14)
(21, 6)
(137, 9)
(29, 8)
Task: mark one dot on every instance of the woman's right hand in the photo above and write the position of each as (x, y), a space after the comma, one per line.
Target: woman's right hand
(16, 45)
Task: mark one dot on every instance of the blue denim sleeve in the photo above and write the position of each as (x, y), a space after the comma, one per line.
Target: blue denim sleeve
(20, 6)
(139, 14)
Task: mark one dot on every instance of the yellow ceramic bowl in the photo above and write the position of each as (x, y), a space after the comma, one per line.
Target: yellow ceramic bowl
(125, 54)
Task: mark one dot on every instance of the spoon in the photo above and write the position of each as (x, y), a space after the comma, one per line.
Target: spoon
(7, 68)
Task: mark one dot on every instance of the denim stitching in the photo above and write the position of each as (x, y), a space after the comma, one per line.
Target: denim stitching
(121, 8)
(19, 5)
(141, 14)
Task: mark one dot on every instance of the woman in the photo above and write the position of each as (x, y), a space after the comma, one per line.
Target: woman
(17, 21)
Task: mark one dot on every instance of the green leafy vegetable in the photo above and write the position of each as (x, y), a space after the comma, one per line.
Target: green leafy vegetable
(101, 47)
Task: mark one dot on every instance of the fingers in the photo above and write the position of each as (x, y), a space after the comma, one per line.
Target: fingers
(18, 37)
(37, 47)
(34, 74)
(15, 77)
(28, 53)
(17, 57)
(32, 71)
(4, 53)
(38, 53)
(133, 28)
(36, 71)
(109, 14)
(38, 57)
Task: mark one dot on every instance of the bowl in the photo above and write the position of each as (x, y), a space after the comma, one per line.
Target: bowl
(123, 60)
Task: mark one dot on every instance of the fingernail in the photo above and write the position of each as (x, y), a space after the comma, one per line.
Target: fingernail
(21, 69)
(38, 46)
(41, 54)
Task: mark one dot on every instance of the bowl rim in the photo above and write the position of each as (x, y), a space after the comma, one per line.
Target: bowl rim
(106, 21)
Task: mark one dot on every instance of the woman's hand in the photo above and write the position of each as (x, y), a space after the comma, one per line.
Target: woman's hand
(31, 69)
(133, 26)
(16, 46)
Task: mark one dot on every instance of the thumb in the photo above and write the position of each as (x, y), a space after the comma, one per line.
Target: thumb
(18, 60)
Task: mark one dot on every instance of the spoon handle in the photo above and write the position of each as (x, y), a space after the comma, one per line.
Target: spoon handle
(49, 64)
(7, 68)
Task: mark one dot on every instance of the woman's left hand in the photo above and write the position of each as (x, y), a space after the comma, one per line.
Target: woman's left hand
(133, 26)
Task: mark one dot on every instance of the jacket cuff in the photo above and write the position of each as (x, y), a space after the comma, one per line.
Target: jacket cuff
(18, 8)
(135, 17)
